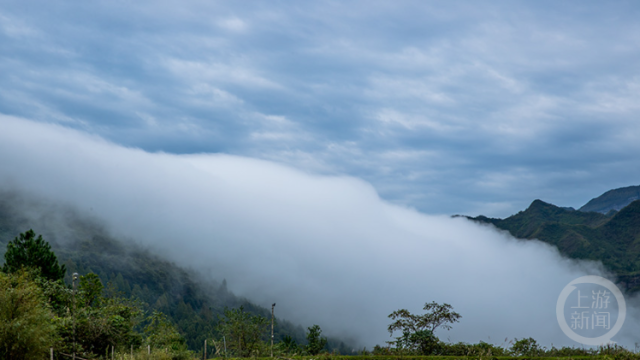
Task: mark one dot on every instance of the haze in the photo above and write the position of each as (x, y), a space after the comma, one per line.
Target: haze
(327, 250)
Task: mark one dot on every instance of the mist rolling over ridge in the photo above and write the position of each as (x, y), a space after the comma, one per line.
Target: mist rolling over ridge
(326, 249)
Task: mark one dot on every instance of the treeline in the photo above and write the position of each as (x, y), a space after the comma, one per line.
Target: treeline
(189, 301)
(418, 339)
(39, 311)
(516, 348)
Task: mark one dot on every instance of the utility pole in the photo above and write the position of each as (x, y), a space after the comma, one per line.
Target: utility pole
(74, 278)
(272, 312)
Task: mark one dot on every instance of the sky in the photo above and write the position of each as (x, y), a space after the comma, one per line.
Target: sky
(327, 143)
(453, 107)
(328, 250)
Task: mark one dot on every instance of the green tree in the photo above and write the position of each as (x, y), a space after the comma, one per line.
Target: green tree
(100, 321)
(243, 331)
(288, 346)
(27, 251)
(526, 347)
(418, 330)
(315, 342)
(26, 330)
(90, 290)
(161, 333)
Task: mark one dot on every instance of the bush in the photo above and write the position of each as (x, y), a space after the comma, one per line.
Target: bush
(26, 329)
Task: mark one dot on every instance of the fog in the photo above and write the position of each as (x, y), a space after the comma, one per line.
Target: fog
(327, 250)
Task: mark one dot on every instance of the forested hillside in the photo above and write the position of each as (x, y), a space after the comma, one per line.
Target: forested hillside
(613, 239)
(85, 246)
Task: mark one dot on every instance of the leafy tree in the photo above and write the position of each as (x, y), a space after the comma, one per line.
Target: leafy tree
(90, 290)
(418, 330)
(99, 321)
(161, 333)
(526, 347)
(26, 330)
(243, 331)
(316, 343)
(30, 252)
(288, 345)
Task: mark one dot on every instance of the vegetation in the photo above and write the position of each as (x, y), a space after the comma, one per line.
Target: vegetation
(315, 342)
(418, 330)
(122, 285)
(244, 333)
(26, 330)
(38, 313)
(130, 271)
(150, 302)
(614, 240)
(30, 252)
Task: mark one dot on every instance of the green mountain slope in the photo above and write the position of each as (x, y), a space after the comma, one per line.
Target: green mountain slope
(84, 245)
(613, 200)
(613, 240)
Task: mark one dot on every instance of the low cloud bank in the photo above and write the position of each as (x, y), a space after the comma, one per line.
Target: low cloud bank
(327, 250)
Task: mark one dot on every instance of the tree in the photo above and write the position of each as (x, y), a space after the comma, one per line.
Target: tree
(161, 333)
(526, 347)
(418, 330)
(90, 290)
(27, 251)
(99, 321)
(26, 330)
(288, 346)
(243, 331)
(316, 343)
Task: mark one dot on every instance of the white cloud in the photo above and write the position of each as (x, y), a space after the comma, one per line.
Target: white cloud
(328, 250)
(218, 73)
(16, 28)
(233, 24)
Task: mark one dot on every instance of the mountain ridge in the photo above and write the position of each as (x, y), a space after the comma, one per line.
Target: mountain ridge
(612, 238)
(613, 200)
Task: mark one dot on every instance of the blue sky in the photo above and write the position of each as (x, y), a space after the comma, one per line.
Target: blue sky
(448, 107)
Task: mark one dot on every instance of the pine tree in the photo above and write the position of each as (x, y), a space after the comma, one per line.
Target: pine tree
(316, 343)
(27, 251)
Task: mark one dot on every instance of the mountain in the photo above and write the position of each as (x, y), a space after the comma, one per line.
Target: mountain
(614, 240)
(613, 200)
(84, 245)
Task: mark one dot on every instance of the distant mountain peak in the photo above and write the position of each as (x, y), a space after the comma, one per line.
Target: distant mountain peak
(613, 200)
(606, 229)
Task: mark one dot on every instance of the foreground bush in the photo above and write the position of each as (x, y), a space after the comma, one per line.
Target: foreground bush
(26, 330)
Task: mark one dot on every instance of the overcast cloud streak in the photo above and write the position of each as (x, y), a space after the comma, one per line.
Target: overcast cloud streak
(448, 107)
(328, 250)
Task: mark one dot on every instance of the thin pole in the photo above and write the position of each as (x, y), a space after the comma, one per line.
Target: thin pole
(205, 349)
(225, 346)
(74, 277)
(51, 351)
(272, 312)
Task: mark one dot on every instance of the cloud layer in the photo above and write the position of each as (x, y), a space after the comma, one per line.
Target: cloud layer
(326, 249)
(456, 107)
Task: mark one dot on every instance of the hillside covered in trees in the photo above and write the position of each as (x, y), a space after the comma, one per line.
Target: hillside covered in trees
(613, 238)
(83, 245)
